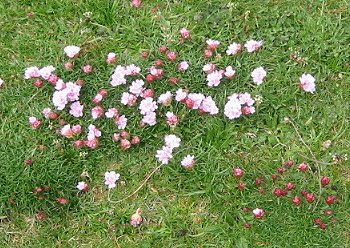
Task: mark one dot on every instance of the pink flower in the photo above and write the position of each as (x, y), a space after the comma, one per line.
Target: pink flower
(209, 106)
(180, 95)
(185, 33)
(34, 122)
(135, 140)
(128, 99)
(32, 72)
(149, 118)
(136, 3)
(136, 87)
(111, 58)
(258, 213)
(148, 93)
(230, 72)
(68, 66)
(183, 66)
(245, 98)
(214, 78)
(172, 141)
(171, 119)
(111, 178)
(121, 122)
(233, 108)
(248, 110)
(46, 71)
(66, 131)
(132, 70)
(208, 53)
(171, 56)
(87, 69)
(97, 99)
(72, 91)
(307, 83)
(71, 51)
(76, 129)
(147, 105)
(188, 162)
(258, 75)
(234, 49)
(112, 112)
(60, 85)
(136, 218)
(238, 172)
(325, 181)
(165, 154)
(296, 200)
(82, 186)
(253, 45)
(93, 132)
(209, 68)
(165, 98)
(303, 167)
(93, 144)
(97, 112)
(76, 109)
(212, 44)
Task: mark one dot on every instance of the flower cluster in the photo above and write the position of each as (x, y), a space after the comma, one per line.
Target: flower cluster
(166, 153)
(239, 104)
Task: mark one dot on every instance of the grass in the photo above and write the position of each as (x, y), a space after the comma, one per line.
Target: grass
(199, 208)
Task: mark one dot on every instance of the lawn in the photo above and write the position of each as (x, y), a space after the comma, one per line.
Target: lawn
(202, 207)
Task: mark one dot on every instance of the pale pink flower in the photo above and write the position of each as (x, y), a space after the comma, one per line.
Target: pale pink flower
(165, 98)
(68, 66)
(147, 105)
(111, 178)
(34, 122)
(209, 106)
(111, 58)
(150, 118)
(245, 98)
(72, 91)
(258, 213)
(60, 85)
(136, 3)
(46, 71)
(66, 131)
(172, 141)
(248, 110)
(214, 78)
(234, 49)
(128, 99)
(93, 144)
(136, 218)
(97, 99)
(253, 45)
(82, 186)
(165, 154)
(209, 68)
(112, 112)
(213, 44)
(307, 83)
(59, 99)
(185, 33)
(183, 66)
(71, 51)
(97, 112)
(31, 72)
(1, 83)
(188, 162)
(230, 72)
(180, 95)
(121, 122)
(87, 69)
(93, 132)
(116, 136)
(196, 99)
(118, 77)
(258, 75)
(136, 87)
(132, 70)
(233, 108)
(46, 112)
(76, 109)
(171, 119)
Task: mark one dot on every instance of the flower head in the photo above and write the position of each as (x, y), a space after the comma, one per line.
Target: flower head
(253, 45)
(71, 51)
(258, 75)
(307, 83)
(259, 213)
(111, 178)
(188, 162)
(234, 49)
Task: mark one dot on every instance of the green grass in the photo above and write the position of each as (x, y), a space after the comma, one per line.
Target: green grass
(199, 208)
